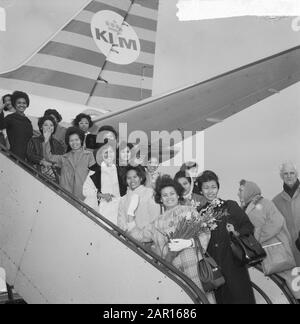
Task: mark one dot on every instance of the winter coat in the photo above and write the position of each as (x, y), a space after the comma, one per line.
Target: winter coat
(290, 209)
(35, 153)
(74, 168)
(237, 289)
(147, 211)
(19, 132)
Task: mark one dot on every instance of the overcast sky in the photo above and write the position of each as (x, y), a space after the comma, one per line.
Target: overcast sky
(190, 52)
(253, 143)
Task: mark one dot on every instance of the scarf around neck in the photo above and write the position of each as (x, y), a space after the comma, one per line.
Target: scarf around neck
(291, 190)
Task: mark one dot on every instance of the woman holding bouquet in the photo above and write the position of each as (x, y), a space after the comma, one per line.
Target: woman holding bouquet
(179, 251)
(231, 218)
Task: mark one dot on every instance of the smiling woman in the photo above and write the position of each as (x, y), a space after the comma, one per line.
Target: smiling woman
(17, 125)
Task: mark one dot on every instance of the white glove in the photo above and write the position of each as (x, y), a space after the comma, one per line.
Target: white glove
(179, 245)
(133, 205)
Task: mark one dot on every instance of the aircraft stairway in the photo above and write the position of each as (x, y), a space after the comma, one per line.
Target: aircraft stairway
(55, 249)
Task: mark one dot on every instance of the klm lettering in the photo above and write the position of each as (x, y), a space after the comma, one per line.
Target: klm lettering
(109, 38)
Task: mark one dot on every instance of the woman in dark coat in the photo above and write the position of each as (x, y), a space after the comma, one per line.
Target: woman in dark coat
(18, 126)
(237, 289)
(35, 153)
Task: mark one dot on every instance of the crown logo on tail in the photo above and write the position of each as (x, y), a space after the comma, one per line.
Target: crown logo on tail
(114, 26)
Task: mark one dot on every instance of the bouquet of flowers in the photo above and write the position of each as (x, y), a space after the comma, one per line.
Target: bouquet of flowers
(203, 222)
(197, 223)
(196, 204)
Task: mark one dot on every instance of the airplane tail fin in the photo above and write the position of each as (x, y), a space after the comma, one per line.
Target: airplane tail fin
(103, 58)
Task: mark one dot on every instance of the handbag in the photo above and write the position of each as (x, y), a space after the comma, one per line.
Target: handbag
(278, 259)
(247, 250)
(209, 272)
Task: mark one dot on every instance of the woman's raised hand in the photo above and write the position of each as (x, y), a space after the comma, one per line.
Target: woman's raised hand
(47, 134)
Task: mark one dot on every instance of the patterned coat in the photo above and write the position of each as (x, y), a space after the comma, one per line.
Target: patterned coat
(186, 260)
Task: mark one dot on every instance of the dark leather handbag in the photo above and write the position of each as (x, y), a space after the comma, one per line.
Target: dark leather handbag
(298, 242)
(209, 272)
(247, 250)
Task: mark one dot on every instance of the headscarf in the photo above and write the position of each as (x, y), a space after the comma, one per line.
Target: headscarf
(251, 191)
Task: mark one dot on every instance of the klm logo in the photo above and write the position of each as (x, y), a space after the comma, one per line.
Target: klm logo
(109, 38)
(116, 39)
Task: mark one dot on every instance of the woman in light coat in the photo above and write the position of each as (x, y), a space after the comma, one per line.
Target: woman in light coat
(288, 203)
(90, 192)
(107, 180)
(74, 164)
(270, 225)
(138, 205)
